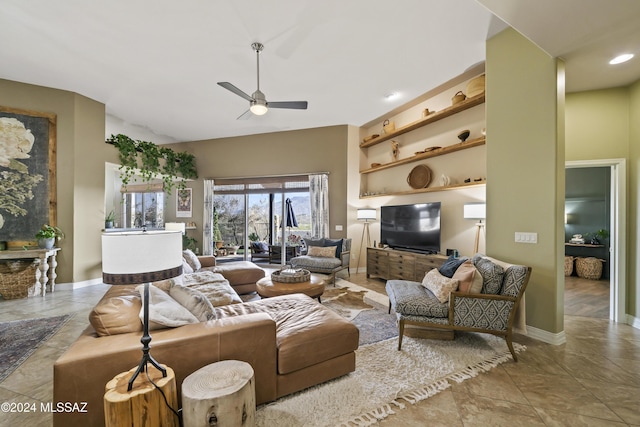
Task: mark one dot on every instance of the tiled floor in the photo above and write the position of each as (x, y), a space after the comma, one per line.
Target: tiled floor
(592, 380)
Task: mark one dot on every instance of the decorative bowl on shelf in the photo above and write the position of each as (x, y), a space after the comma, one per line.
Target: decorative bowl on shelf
(375, 165)
(462, 136)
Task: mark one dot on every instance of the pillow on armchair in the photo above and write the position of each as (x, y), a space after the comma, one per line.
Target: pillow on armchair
(322, 251)
(337, 243)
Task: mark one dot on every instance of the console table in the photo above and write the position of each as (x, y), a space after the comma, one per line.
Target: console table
(46, 272)
(392, 264)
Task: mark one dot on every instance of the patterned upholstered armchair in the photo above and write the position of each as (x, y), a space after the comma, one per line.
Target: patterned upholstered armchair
(319, 258)
(491, 310)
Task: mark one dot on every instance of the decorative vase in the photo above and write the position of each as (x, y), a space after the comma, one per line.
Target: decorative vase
(46, 243)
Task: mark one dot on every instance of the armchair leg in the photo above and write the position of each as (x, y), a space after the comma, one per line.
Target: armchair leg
(389, 312)
(511, 349)
(400, 333)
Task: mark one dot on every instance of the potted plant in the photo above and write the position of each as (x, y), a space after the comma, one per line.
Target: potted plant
(48, 235)
(599, 236)
(109, 219)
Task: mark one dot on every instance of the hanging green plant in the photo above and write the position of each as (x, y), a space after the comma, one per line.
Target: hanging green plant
(151, 161)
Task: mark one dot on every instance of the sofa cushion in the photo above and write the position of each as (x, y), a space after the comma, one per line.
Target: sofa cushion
(469, 278)
(164, 311)
(194, 301)
(439, 285)
(307, 333)
(318, 264)
(411, 298)
(322, 252)
(449, 267)
(492, 274)
(191, 259)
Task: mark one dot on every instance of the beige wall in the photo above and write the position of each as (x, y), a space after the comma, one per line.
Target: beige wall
(525, 169)
(633, 271)
(282, 153)
(603, 124)
(80, 172)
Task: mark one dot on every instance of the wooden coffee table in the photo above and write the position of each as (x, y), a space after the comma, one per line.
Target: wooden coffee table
(314, 287)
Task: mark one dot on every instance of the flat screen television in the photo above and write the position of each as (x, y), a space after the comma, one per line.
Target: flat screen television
(411, 227)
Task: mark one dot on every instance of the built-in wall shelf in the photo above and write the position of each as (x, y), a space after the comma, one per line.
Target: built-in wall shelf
(584, 245)
(428, 189)
(429, 154)
(431, 118)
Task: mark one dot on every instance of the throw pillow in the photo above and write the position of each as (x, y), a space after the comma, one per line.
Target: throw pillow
(313, 242)
(337, 243)
(439, 285)
(164, 311)
(194, 301)
(186, 268)
(469, 278)
(322, 252)
(451, 265)
(166, 284)
(192, 259)
(492, 275)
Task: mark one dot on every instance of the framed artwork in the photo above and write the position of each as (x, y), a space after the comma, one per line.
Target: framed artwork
(27, 174)
(183, 203)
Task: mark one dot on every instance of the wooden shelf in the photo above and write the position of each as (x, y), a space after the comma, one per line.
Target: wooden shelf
(431, 118)
(434, 153)
(584, 245)
(428, 189)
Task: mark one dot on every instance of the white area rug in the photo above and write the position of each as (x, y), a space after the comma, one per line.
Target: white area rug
(385, 380)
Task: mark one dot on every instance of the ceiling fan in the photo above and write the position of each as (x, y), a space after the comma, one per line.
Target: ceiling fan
(258, 102)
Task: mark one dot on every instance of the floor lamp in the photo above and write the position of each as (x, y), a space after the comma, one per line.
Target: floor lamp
(132, 258)
(476, 211)
(365, 215)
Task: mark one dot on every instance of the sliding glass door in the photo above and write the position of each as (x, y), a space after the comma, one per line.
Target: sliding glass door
(257, 211)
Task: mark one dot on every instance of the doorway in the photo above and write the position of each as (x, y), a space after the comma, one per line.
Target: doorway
(615, 206)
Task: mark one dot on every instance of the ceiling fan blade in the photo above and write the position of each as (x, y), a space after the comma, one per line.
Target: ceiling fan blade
(295, 105)
(245, 116)
(235, 90)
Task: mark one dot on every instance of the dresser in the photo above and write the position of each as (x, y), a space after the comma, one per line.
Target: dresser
(390, 264)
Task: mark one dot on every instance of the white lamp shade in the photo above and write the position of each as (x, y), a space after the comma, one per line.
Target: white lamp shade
(366, 214)
(175, 226)
(141, 256)
(475, 210)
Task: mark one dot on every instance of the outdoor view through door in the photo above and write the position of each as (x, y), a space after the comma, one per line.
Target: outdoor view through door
(261, 219)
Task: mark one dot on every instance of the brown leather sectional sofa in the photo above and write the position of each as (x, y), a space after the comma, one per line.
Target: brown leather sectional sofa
(292, 342)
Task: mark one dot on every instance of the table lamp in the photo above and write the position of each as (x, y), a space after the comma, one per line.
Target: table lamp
(366, 215)
(476, 211)
(131, 258)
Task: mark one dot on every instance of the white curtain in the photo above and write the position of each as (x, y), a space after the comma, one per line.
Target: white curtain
(319, 195)
(207, 218)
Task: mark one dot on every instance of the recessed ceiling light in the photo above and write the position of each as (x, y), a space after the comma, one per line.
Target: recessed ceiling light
(621, 58)
(391, 96)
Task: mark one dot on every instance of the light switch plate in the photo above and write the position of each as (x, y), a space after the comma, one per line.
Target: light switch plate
(526, 237)
(338, 228)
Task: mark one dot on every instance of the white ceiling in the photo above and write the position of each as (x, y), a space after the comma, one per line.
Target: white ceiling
(155, 65)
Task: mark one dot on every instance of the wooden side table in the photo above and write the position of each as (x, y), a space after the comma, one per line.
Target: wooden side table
(144, 404)
(46, 273)
(221, 394)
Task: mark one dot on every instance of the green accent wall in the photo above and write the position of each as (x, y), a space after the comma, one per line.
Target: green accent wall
(525, 168)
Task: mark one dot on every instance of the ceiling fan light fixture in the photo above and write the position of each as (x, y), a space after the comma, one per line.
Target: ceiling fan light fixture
(621, 58)
(258, 109)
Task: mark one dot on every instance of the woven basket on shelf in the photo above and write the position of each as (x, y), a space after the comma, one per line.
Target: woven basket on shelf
(568, 265)
(589, 268)
(298, 277)
(16, 277)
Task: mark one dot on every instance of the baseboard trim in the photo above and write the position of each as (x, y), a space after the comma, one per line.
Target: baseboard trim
(77, 285)
(633, 321)
(546, 336)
